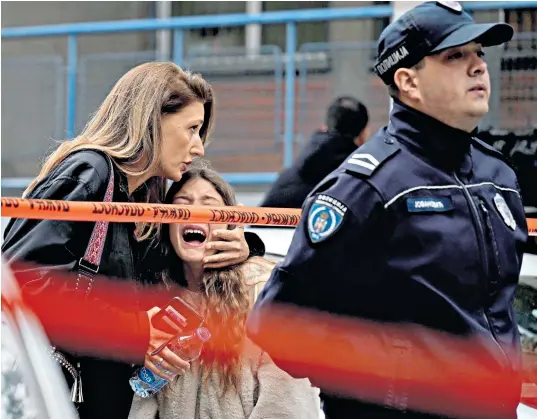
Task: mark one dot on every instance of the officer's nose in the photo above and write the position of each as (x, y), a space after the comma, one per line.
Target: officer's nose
(478, 66)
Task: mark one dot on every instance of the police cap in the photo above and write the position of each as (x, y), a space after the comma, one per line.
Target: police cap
(430, 28)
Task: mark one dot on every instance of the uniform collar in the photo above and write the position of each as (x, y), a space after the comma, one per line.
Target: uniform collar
(442, 144)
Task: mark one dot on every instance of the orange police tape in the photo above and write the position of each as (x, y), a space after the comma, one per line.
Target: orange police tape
(402, 365)
(44, 209)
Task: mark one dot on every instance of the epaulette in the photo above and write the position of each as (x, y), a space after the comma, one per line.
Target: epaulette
(370, 156)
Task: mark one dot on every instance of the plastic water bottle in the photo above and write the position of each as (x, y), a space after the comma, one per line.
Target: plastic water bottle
(188, 347)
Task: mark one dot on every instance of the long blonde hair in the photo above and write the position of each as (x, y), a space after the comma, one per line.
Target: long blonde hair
(227, 292)
(127, 124)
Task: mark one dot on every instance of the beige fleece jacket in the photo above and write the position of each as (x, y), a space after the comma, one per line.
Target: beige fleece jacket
(265, 392)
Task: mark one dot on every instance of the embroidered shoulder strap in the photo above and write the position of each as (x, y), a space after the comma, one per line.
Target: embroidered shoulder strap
(370, 156)
(88, 265)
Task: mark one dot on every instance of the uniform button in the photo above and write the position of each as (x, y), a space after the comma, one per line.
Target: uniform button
(389, 140)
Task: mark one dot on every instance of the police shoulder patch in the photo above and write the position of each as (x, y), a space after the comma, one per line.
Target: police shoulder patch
(369, 157)
(325, 217)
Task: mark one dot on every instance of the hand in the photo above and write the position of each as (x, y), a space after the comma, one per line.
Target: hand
(165, 357)
(231, 246)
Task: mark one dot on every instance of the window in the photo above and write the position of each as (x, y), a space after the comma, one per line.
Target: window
(211, 39)
(519, 57)
(306, 32)
(524, 21)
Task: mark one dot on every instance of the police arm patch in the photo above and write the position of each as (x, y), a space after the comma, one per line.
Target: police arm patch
(325, 217)
(504, 211)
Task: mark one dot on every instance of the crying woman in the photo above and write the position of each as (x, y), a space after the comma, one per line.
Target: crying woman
(233, 378)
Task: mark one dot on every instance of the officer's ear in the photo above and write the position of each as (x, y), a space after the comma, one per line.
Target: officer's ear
(406, 81)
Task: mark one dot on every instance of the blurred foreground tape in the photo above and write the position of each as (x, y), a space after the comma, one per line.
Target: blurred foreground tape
(43, 209)
(402, 365)
(398, 364)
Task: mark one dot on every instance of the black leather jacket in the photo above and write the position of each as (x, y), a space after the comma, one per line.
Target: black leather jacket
(83, 176)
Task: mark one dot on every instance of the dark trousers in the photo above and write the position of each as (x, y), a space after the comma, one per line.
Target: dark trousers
(106, 390)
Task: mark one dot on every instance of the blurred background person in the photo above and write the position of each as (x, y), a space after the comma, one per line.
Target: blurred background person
(345, 130)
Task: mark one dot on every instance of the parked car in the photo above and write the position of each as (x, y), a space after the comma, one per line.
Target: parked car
(33, 387)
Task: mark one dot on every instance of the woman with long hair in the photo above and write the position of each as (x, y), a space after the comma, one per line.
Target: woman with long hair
(233, 378)
(150, 127)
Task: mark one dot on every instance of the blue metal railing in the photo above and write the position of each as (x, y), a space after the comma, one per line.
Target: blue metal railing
(179, 24)
(291, 18)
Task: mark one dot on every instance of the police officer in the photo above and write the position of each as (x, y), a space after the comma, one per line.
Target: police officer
(423, 224)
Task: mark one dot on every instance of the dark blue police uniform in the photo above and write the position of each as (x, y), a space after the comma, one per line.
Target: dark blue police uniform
(423, 224)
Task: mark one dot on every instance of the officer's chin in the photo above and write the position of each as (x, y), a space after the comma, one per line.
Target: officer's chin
(478, 109)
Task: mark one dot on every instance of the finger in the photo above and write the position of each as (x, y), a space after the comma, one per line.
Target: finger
(157, 347)
(223, 246)
(219, 265)
(174, 360)
(169, 368)
(226, 235)
(156, 371)
(158, 337)
(222, 257)
(222, 263)
(153, 311)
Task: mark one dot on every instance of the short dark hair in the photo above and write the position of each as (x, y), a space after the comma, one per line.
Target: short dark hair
(347, 115)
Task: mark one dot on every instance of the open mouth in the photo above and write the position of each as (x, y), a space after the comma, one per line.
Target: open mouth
(194, 236)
